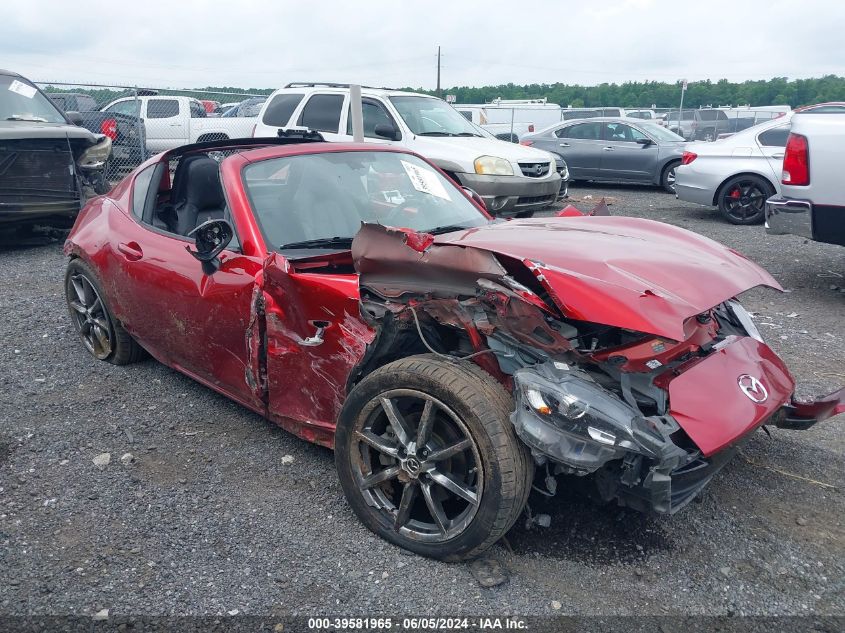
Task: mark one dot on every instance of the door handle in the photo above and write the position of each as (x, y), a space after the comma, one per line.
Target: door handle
(315, 340)
(564, 144)
(608, 149)
(132, 250)
(777, 155)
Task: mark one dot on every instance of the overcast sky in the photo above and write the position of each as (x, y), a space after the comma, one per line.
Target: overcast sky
(261, 43)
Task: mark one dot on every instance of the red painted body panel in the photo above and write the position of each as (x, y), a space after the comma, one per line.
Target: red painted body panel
(627, 272)
(708, 404)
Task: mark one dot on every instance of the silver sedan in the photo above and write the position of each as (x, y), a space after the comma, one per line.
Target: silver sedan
(616, 149)
(736, 174)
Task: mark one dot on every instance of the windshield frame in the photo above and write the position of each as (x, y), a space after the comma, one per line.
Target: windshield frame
(306, 253)
(6, 81)
(466, 128)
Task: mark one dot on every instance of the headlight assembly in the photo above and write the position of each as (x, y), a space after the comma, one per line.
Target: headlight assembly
(493, 166)
(96, 156)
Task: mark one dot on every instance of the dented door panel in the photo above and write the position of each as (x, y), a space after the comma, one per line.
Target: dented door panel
(314, 339)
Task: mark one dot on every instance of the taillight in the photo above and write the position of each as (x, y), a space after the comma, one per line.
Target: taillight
(530, 127)
(109, 128)
(688, 157)
(796, 161)
(527, 143)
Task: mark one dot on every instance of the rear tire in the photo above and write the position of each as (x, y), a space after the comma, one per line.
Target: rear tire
(742, 199)
(101, 333)
(487, 481)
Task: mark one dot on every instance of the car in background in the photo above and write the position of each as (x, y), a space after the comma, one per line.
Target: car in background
(46, 158)
(72, 101)
(511, 179)
(681, 123)
(248, 108)
(736, 174)
(171, 121)
(126, 131)
(811, 201)
(613, 149)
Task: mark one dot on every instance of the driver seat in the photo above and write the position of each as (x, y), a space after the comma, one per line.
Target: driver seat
(204, 199)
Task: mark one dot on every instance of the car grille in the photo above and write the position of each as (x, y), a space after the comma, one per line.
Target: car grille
(532, 200)
(37, 170)
(534, 170)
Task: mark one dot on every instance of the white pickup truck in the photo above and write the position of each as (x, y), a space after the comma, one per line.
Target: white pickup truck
(173, 121)
(812, 199)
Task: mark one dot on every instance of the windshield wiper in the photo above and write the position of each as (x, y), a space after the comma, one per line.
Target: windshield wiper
(436, 134)
(446, 228)
(17, 117)
(467, 134)
(322, 242)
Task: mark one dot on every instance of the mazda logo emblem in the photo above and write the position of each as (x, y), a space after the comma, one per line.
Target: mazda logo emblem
(753, 388)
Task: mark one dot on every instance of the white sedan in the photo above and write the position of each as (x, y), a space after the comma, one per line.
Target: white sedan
(736, 174)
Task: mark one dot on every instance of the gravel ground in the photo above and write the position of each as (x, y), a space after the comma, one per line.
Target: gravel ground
(220, 510)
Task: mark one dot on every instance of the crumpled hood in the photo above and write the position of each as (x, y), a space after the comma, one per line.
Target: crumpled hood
(626, 272)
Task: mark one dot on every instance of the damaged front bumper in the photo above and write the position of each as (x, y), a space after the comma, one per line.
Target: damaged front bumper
(645, 463)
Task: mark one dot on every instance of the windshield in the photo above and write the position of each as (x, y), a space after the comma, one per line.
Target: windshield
(432, 117)
(324, 198)
(660, 133)
(21, 101)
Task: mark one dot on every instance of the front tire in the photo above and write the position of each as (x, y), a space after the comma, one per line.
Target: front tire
(428, 460)
(102, 334)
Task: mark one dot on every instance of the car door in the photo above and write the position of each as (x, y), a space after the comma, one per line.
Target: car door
(772, 144)
(166, 123)
(189, 319)
(580, 146)
(623, 157)
(315, 339)
(374, 113)
(322, 113)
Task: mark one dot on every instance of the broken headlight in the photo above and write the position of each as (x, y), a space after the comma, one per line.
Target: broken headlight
(567, 417)
(96, 156)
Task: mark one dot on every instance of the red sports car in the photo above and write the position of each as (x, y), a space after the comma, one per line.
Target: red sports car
(443, 359)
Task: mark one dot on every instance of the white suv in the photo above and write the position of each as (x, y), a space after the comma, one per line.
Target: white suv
(512, 179)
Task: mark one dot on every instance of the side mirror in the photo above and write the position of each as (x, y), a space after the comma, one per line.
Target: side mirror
(74, 117)
(210, 238)
(387, 131)
(645, 142)
(476, 198)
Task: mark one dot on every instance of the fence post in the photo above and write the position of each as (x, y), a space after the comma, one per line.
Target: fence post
(142, 137)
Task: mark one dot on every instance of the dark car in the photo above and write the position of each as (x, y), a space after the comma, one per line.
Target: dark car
(441, 360)
(126, 131)
(45, 159)
(615, 149)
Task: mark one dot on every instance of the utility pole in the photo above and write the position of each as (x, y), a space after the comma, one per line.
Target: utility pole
(438, 72)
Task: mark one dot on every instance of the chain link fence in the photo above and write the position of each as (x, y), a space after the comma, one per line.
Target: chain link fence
(145, 121)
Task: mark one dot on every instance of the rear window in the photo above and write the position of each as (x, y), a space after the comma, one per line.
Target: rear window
(280, 109)
(322, 113)
(162, 108)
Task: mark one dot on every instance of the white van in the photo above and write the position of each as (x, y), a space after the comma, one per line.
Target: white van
(511, 179)
(510, 119)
